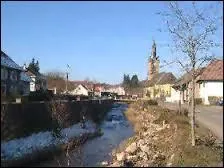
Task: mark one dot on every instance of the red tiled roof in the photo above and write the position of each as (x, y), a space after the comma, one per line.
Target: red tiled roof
(214, 71)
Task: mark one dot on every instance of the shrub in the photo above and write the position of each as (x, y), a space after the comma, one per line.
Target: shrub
(213, 99)
(151, 102)
(185, 112)
(198, 100)
(40, 95)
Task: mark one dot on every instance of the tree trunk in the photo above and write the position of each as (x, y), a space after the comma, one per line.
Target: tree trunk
(193, 110)
(180, 103)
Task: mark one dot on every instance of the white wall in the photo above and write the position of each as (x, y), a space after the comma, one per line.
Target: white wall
(211, 88)
(32, 85)
(80, 90)
(175, 96)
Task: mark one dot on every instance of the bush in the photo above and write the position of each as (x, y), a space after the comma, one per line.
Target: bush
(185, 112)
(10, 98)
(151, 102)
(198, 100)
(213, 99)
(40, 95)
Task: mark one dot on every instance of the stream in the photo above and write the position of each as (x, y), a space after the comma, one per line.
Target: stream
(116, 129)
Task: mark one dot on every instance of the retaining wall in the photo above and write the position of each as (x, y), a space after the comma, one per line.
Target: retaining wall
(20, 120)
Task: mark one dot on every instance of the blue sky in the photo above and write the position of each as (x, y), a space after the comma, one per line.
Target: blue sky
(99, 40)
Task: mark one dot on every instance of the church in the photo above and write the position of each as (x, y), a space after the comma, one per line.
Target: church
(158, 83)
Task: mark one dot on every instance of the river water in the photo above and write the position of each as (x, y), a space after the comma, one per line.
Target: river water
(116, 129)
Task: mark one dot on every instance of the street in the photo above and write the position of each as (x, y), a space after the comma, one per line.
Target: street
(209, 116)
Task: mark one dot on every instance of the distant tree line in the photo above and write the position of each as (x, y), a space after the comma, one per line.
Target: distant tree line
(132, 82)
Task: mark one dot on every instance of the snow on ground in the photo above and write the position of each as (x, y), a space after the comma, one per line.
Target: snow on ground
(17, 148)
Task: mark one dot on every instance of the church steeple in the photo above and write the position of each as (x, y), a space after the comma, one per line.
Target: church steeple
(153, 62)
(153, 55)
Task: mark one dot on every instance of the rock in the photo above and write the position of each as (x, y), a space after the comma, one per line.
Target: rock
(144, 148)
(120, 156)
(141, 142)
(128, 163)
(168, 126)
(131, 148)
(131, 157)
(169, 164)
(143, 155)
(115, 164)
(104, 163)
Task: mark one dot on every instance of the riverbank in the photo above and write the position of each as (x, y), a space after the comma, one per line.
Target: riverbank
(162, 138)
(37, 147)
(115, 129)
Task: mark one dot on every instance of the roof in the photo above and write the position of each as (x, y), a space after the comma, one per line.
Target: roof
(25, 77)
(29, 73)
(162, 78)
(214, 71)
(187, 77)
(6, 61)
(85, 87)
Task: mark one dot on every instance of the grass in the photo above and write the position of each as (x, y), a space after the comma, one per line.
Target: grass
(177, 140)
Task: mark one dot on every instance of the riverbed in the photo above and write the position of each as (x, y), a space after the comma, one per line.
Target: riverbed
(115, 128)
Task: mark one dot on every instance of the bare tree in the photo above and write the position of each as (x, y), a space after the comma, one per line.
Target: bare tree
(55, 75)
(193, 29)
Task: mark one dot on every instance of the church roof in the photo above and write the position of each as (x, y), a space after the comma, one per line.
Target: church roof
(162, 78)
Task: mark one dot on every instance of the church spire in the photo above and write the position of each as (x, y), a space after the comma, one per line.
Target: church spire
(153, 55)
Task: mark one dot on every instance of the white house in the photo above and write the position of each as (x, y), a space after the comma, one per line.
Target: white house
(117, 89)
(174, 96)
(209, 84)
(211, 81)
(80, 90)
(25, 81)
(38, 81)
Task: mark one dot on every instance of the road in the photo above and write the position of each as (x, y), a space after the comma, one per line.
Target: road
(209, 116)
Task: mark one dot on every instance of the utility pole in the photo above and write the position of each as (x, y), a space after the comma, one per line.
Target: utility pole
(66, 82)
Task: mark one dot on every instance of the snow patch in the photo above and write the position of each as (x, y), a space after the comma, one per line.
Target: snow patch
(17, 148)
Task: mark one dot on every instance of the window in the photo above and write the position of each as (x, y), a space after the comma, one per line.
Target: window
(13, 75)
(3, 89)
(4, 73)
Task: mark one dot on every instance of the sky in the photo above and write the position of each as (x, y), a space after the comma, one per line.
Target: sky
(98, 40)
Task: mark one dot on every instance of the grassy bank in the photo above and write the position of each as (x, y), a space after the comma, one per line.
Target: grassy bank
(163, 138)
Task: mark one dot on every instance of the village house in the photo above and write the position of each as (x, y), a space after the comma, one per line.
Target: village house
(10, 76)
(38, 80)
(158, 84)
(181, 89)
(211, 82)
(25, 84)
(14, 80)
(117, 89)
(208, 85)
(81, 90)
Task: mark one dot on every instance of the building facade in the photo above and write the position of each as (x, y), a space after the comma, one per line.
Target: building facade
(10, 76)
(158, 84)
(211, 82)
